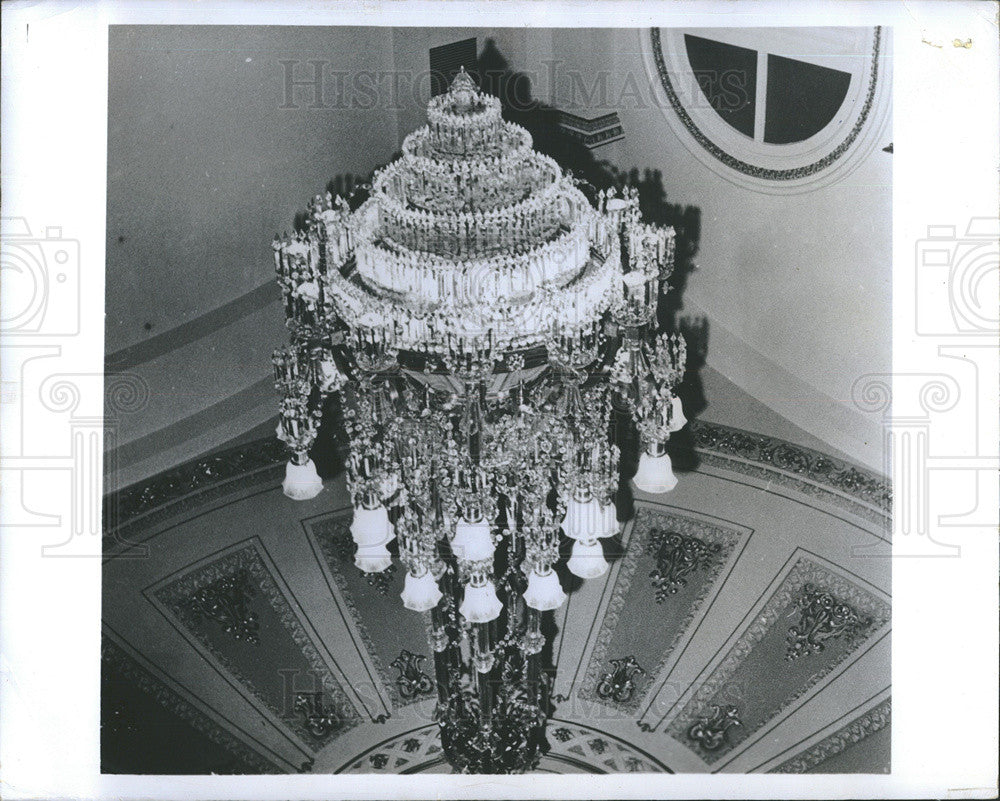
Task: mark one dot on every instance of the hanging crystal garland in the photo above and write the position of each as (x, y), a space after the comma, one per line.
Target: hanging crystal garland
(483, 324)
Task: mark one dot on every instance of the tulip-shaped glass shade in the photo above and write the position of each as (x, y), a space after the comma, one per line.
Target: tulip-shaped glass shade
(371, 526)
(373, 558)
(302, 482)
(330, 378)
(420, 593)
(587, 560)
(472, 541)
(544, 591)
(655, 475)
(480, 604)
(677, 418)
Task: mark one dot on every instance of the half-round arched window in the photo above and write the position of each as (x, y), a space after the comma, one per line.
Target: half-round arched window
(778, 109)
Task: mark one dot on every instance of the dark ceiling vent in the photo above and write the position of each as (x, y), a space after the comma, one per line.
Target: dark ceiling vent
(446, 61)
(592, 133)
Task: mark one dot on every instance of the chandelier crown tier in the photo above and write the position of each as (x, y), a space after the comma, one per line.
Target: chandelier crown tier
(485, 325)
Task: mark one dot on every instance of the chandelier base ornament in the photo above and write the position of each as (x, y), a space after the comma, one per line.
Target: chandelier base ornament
(486, 326)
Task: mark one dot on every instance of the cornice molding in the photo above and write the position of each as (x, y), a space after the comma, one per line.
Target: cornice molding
(802, 469)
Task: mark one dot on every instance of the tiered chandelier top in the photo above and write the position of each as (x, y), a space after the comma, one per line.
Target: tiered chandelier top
(470, 235)
(484, 323)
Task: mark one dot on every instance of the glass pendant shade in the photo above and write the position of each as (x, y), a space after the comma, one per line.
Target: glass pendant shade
(677, 418)
(544, 591)
(330, 378)
(472, 541)
(586, 520)
(587, 560)
(607, 520)
(371, 526)
(302, 482)
(373, 558)
(308, 290)
(420, 593)
(480, 604)
(655, 474)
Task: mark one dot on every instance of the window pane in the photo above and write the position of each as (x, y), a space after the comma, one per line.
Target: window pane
(727, 76)
(802, 99)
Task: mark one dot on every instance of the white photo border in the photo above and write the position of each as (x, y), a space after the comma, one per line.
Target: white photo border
(54, 137)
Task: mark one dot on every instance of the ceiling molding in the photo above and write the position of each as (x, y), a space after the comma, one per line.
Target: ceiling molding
(718, 686)
(872, 720)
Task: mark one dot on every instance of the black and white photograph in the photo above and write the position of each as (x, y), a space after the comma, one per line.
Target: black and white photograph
(508, 400)
(517, 513)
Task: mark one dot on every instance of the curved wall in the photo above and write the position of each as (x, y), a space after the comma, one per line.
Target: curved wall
(205, 163)
(796, 288)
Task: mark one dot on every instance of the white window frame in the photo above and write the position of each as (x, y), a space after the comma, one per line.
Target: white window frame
(824, 157)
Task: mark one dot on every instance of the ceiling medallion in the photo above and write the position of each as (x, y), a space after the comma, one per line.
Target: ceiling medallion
(484, 322)
(700, 108)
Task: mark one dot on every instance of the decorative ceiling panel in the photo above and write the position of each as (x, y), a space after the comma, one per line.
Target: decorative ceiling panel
(372, 600)
(239, 599)
(178, 716)
(235, 609)
(817, 757)
(813, 621)
(670, 568)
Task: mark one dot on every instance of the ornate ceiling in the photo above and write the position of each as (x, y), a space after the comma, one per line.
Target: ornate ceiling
(744, 626)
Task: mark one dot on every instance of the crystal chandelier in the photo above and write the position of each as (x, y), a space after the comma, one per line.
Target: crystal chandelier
(484, 324)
